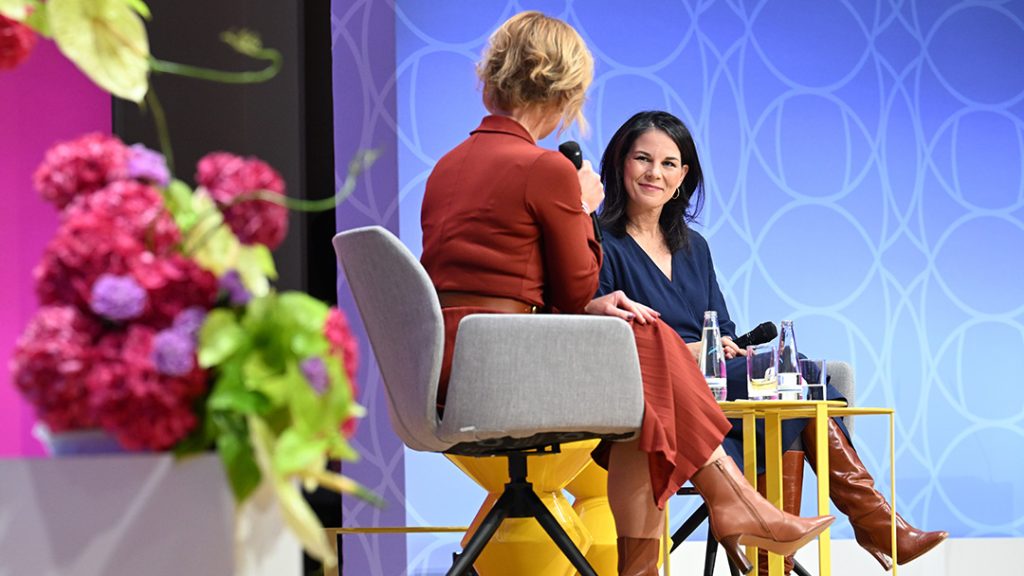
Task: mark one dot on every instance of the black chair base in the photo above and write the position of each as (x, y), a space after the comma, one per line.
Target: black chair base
(518, 501)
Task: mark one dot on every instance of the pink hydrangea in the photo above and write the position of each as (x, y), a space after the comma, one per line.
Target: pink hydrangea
(345, 346)
(174, 283)
(81, 251)
(343, 343)
(227, 176)
(79, 167)
(144, 409)
(16, 42)
(132, 207)
(50, 364)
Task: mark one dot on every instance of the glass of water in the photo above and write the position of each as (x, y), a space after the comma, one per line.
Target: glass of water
(815, 376)
(762, 372)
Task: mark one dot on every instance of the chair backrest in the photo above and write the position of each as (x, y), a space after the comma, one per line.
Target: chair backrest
(841, 377)
(402, 316)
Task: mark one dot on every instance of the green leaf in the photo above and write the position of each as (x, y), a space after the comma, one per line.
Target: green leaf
(238, 399)
(140, 7)
(239, 463)
(295, 452)
(255, 265)
(107, 40)
(178, 200)
(277, 386)
(219, 338)
(39, 21)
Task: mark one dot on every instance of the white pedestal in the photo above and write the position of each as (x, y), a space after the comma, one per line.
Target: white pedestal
(135, 514)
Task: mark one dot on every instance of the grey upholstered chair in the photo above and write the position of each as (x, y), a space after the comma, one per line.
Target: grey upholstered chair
(520, 384)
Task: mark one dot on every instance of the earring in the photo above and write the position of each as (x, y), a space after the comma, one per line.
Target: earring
(676, 195)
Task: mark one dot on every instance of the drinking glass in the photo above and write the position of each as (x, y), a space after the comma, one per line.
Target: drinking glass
(815, 377)
(762, 372)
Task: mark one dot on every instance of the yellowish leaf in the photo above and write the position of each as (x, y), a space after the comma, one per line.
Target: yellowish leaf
(107, 40)
(14, 9)
(297, 513)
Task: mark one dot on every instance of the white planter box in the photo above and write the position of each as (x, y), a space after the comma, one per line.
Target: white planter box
(136, 514)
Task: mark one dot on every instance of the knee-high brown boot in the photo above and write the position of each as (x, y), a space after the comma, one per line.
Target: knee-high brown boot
(739, 515)
(852, 489)
(638, 556)
(792, 488)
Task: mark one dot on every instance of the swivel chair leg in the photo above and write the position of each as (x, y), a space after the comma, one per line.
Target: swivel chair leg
(519, 501)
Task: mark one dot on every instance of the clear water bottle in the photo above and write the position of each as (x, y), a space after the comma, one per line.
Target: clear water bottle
(712, 357)
(790, 383)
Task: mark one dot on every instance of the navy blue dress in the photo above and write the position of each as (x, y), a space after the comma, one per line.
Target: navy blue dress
(682, 301)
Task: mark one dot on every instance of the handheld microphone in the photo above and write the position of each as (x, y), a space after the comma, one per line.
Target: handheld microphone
(571, 150)
(764, 332)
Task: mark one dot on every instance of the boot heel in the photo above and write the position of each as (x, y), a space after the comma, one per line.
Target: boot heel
(881, 557)
(732, 550)
(865, 541)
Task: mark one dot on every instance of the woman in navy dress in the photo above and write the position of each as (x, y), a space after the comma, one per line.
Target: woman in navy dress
(653, 190)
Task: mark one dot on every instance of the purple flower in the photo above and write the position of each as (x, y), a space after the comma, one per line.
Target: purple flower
(189, 321)
(117, 298)
(145, 164)
(173, 353)
(315, 371)
(231, 284)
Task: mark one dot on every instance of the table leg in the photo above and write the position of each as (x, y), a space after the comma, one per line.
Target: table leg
(750, 467)
(821, 471)
(892, 487)
(773, 475)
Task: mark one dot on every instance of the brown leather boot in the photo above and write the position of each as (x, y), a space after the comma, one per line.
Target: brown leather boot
(792, 488)
(739, 515)
(852, 489)
(638, 556)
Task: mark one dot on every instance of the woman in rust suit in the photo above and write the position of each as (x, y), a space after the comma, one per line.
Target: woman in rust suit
(506, 228)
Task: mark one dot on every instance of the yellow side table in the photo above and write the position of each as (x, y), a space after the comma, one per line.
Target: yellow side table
(520, 545)
(773, 412)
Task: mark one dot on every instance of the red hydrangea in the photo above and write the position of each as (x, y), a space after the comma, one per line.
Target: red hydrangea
(16, 42)
(81, 166)
(132, 207)
(50, 364)
(343, 343)
(345, 346)
(226, 177)
(174, 283)
(118, 231)
(144, 409)
(83, 248)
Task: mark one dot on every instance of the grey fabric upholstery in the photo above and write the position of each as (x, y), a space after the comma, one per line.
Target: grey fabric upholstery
(402, 316)
(842, 378)
(513, 376)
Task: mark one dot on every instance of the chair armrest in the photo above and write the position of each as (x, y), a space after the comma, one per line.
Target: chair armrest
(518, 374)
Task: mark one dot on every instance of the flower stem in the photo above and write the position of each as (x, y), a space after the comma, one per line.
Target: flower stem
(362, 161)
(273, 57)
(160, 123)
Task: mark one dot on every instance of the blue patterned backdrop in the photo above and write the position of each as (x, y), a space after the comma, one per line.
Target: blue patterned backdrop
(864, 178)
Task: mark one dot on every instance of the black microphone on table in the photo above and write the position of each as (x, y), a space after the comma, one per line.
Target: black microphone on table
(764, 332)
(571, 150)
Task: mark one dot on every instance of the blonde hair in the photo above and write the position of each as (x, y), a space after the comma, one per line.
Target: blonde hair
(536, 61)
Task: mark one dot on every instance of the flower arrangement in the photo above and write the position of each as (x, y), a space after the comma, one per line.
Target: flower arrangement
(158, 321)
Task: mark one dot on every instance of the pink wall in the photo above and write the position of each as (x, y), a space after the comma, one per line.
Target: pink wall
(43, 101)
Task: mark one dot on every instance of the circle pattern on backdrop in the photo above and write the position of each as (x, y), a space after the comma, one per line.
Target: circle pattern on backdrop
(874, 191)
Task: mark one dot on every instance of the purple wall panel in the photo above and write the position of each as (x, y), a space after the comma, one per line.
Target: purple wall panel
(43, 101)
(363, 47)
